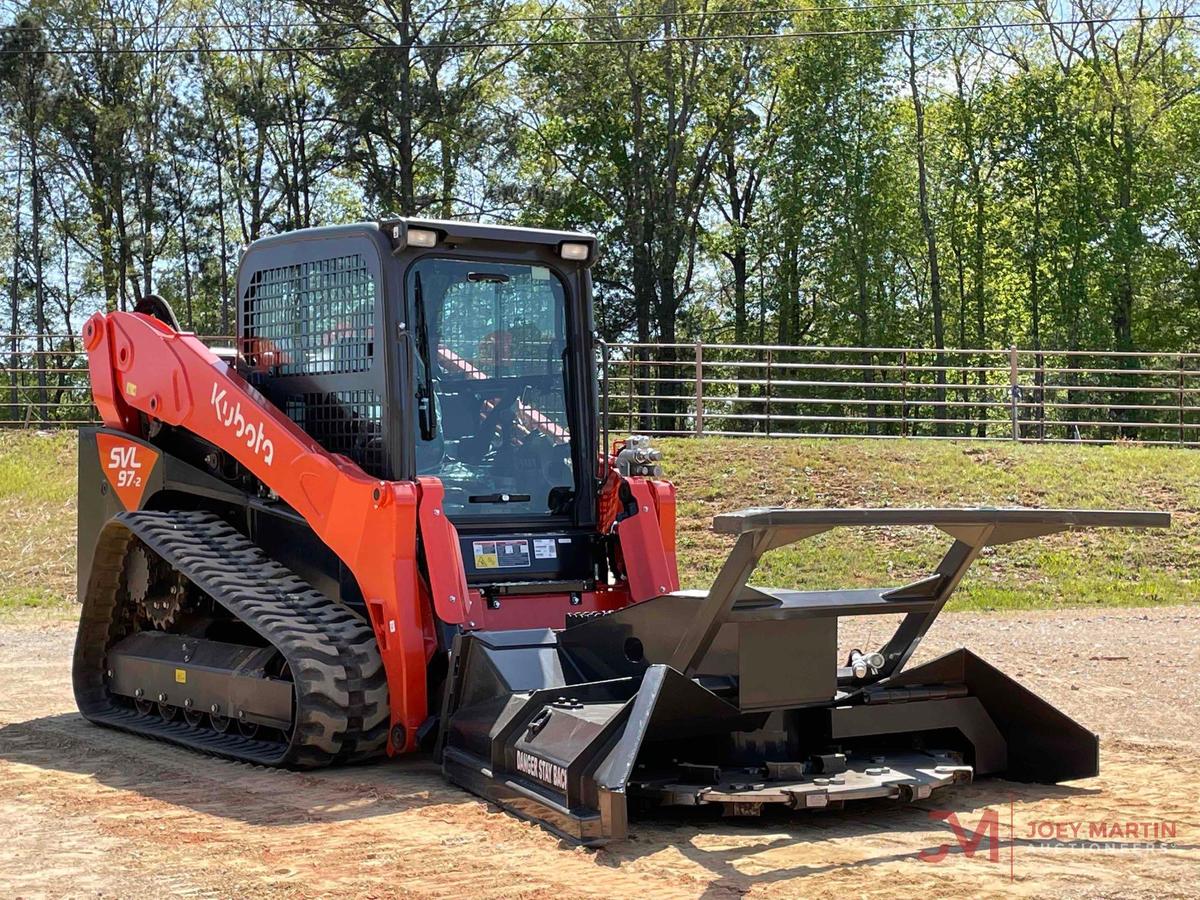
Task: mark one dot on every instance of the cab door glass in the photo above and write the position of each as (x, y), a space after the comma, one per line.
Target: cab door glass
(491, 376)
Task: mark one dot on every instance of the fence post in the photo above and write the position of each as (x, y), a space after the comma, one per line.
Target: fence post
(904, 394)
(1041, 395)
(1182, 439)
(699, 389)
(632, 372)
(770, 359)
(1014, 390)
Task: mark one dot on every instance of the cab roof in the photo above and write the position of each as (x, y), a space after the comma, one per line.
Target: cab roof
(449, 231)
(478, 231)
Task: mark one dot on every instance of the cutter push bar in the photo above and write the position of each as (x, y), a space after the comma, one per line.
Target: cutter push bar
(762, 530)
(735, 696)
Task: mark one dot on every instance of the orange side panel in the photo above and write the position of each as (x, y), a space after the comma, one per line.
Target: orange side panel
(664, 501)
(647, 547)
(443, 556)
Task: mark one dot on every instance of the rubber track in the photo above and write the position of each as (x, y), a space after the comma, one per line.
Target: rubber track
(340, 697)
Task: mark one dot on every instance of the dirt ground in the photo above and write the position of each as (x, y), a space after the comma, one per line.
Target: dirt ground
(92, 812)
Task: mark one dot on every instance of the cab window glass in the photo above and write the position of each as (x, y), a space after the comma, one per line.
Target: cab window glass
(497, 339)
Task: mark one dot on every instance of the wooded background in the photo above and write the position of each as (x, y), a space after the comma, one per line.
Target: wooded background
(935, 174)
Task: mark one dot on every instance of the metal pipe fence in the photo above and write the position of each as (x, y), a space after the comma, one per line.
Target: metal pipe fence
(44, 380)
(781, 391)
(880, 392)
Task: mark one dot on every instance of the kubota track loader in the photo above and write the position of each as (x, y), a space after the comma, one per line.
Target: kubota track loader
(391, 523)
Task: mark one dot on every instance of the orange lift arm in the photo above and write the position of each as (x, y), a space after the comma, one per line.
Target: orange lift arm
(138, 364)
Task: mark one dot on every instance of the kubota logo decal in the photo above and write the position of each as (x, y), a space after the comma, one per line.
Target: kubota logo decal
(127, 467)
(230, 415)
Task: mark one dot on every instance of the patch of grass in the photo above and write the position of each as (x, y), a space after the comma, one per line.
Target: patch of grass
(1105, 567)
(37, 609)
(37, 520)
(1109, 567)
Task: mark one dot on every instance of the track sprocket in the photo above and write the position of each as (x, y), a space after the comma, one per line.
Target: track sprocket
(158, 592)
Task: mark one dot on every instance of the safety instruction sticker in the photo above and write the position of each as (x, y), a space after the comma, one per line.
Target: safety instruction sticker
(543, 548)
(501, 554)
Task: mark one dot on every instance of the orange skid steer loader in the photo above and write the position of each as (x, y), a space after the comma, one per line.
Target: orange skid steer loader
(393, 522)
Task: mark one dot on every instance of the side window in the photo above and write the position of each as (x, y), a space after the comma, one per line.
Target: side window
(312, 318)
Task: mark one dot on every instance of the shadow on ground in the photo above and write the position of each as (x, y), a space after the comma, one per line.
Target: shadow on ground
(251, 794)
(865, 819)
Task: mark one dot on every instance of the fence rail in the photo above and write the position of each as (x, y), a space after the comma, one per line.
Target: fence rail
(1014, 394)
(44, 380)
(781, 391)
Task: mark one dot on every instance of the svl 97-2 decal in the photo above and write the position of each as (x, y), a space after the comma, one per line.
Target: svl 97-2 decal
(127, 466)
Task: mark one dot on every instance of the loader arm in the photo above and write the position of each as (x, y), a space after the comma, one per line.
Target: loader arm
(140, 365)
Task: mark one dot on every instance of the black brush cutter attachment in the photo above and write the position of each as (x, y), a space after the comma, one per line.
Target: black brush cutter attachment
(735, 696)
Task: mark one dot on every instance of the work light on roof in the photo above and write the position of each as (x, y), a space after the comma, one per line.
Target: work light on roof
(422, 237)
(574, 251)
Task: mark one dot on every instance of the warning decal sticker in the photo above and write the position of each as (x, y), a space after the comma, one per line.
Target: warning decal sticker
(501, 554)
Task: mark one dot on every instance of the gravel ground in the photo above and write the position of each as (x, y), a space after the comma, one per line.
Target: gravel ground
(92, 812)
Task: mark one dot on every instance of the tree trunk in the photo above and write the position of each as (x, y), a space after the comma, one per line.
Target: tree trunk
(643, 299)
(666, 310)
(449, 176)
(63, 361)
(862, 317)
(931, 247)
(123, 248)
(147, 209)
(14, 295)
(187, 268)
(1035, 309)
(224, 299)
(39, 281)
(1127, 238)
(979, 292)
(957, 251)
(738, 218)
(408, 200)
(741, 277)
(109, 269)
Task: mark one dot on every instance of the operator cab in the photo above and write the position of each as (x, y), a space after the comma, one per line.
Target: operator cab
(488, 383)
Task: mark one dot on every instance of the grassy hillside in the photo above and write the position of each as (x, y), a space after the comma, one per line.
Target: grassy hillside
(37, 515)
(1108, 566)
(37, 519)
